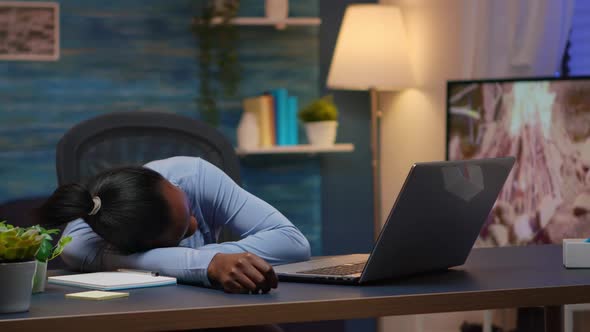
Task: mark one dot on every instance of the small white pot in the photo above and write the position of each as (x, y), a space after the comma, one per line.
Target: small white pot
(40, 278)
(321, 133)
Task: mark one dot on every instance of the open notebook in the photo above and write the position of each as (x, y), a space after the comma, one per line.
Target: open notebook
(111, 280)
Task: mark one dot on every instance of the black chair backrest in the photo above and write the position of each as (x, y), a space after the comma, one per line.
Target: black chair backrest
(135, 138)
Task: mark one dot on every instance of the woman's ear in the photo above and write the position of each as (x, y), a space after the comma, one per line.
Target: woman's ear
(192, 227)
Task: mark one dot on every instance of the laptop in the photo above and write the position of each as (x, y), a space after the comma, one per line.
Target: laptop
(432, 225)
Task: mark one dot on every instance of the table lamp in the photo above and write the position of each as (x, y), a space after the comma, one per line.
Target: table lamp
(371, 54)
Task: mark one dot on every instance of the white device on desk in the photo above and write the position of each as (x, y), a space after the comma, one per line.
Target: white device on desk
(112, 280)
(576, 253)
(432, 225)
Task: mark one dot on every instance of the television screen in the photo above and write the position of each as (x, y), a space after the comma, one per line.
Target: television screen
(545, 124)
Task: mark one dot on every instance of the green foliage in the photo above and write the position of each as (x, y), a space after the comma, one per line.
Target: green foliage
(25, 244)
(44, 250)
(18, 244)
(47, 251)
(61, 244)
(322, 109)
(219, 69)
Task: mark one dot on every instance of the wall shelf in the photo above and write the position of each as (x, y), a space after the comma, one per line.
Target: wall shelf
(279, 24)
(293, 149)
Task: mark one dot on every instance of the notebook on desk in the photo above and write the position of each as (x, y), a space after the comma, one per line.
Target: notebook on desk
(112, 280)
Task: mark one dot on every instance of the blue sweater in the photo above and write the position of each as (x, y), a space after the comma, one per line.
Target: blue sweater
(215, 201)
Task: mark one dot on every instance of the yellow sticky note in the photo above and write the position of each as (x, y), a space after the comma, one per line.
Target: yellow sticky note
(96, 295)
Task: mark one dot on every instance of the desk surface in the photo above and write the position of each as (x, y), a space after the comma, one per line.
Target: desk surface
(491, 278)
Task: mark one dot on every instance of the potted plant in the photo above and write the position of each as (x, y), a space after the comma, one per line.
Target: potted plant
(19, 250)
(47, 251)
(217, 39)
(18, 247)
(321, 121)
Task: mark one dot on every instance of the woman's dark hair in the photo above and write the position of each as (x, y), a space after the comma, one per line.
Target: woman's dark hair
(133, 212)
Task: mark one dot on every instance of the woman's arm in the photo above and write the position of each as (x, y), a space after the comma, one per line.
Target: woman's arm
(263, 230)
(88, 252)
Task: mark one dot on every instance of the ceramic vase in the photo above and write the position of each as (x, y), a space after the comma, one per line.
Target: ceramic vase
(248, 133)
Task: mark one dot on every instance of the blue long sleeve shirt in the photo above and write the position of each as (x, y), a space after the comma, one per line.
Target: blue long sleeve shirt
(215, 201)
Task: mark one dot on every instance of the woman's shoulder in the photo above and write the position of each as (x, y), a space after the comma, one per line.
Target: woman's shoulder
(174, 168)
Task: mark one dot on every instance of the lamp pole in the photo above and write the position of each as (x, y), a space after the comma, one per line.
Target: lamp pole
(370, 54)
(375, 160)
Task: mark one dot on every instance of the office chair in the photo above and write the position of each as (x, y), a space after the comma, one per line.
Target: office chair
(135, 138)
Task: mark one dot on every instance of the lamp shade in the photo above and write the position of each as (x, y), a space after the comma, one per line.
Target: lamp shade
(371, 50)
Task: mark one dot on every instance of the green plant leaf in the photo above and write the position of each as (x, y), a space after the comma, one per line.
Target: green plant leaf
(219, 67)
(322, 109)
(63, 242)
(19, 244)
(44, 251)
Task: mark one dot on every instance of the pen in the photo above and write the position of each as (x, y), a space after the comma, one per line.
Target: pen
(153, 274)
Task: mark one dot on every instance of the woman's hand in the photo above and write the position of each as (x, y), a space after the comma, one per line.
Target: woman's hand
(242, 273)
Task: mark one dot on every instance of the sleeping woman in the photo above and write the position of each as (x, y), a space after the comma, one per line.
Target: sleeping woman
(167, 216)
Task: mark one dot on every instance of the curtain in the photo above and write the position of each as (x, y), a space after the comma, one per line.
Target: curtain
(580, 39)
(514, 38)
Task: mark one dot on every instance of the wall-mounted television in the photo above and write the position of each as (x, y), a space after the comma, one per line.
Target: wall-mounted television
(545, 124)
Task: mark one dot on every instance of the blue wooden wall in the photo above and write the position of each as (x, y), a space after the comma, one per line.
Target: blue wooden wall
(140, 55)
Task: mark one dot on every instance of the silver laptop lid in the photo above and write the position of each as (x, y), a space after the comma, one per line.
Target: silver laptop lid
(437, 217)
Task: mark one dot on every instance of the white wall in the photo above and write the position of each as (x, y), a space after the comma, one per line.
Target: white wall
(414, 121)
(413, 126)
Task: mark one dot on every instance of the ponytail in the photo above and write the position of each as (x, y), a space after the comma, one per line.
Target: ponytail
(68, 202)
(125, 206)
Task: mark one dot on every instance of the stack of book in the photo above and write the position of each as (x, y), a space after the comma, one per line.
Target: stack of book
(276, 114)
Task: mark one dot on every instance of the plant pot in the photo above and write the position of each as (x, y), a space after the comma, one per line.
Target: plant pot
(16, 283)
(321, 133)
(40, 278)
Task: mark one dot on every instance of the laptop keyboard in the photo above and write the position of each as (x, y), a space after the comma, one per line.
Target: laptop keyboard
(338, 270)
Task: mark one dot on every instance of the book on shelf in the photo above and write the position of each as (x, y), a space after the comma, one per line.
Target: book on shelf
(293, 131)
(281, 96)
(273, 118)
(276, 114)
(262, 106)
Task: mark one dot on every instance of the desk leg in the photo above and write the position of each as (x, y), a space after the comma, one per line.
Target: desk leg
(554, 318)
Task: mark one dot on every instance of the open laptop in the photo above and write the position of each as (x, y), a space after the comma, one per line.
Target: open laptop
(432, 226)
